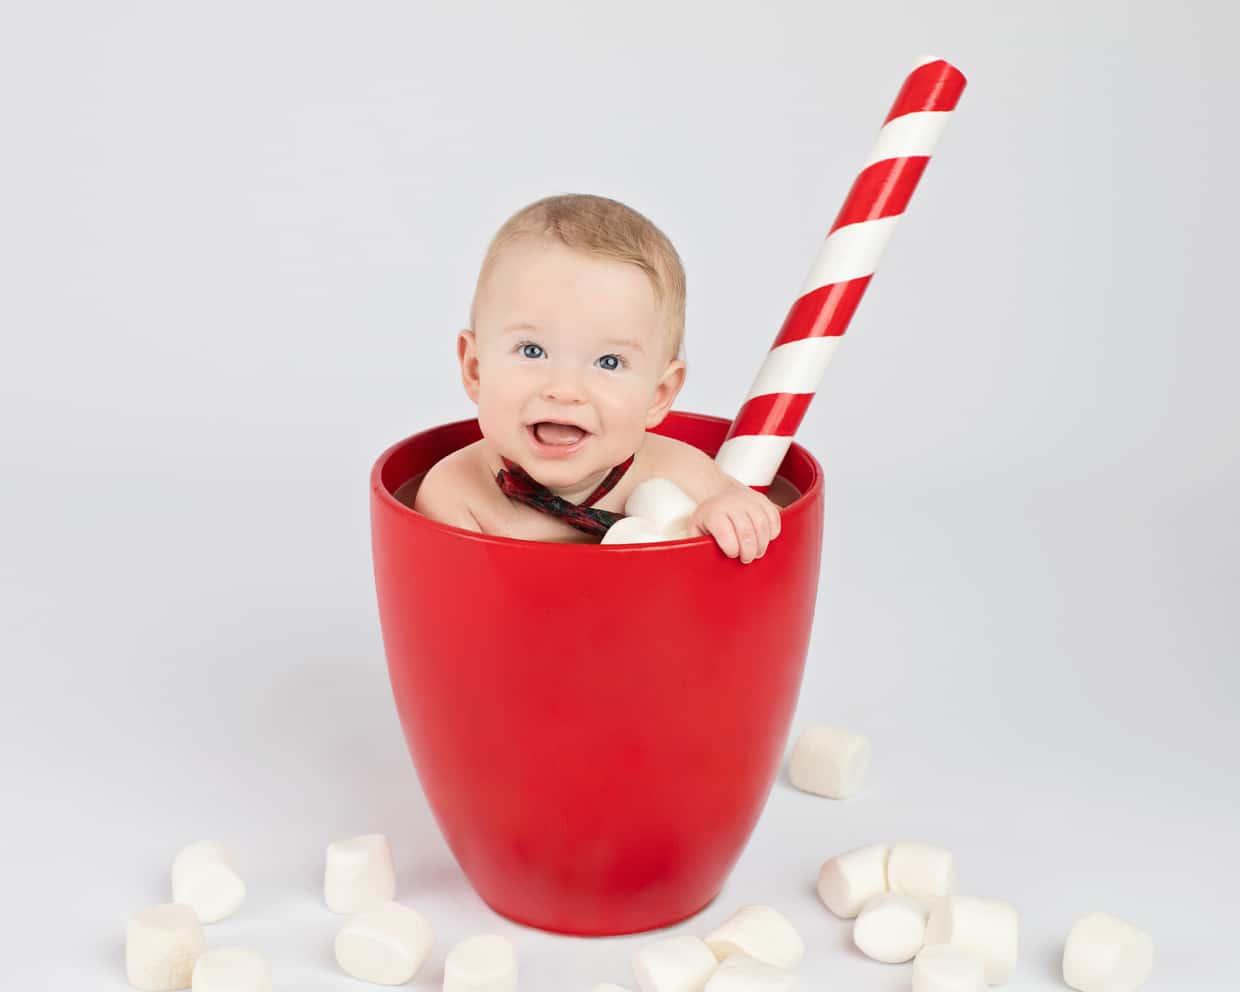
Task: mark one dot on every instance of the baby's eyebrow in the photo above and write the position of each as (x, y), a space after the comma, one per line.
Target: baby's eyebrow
(626, 342)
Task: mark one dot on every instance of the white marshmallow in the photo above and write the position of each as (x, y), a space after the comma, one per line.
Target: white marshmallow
(608, 987)
(948, 968)
(760, 932)
(162, 944)
(205, 878)
(232, 969)
(829, 762)
(661, 502)
(891, 928)
(922, 871)
(741, 973)
(678, 964)
(359, 874)
(635, 530)
(481, 964)
(1107, 954)
(850, 880)
(989, 927)
(385, 944)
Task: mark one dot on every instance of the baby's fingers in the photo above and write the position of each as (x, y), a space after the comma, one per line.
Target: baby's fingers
(765, 528)
(717, 525)
(772, 514)
(750, 534)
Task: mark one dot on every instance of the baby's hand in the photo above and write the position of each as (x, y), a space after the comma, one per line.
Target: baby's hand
(743, 522)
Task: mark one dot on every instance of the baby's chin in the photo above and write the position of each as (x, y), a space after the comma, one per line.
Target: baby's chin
(558, 475)
(565, 470)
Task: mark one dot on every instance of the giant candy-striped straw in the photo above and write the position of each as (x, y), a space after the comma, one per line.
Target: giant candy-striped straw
(761, 433)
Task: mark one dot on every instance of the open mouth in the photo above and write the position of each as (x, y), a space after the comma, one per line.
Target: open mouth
(553, 437)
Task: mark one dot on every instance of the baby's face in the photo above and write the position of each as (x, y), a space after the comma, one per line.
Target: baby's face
(561, 336)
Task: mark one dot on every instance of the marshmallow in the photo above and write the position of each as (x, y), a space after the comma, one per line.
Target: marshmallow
(359, 874)
(948, 968)
(663, 504)
(608, 987)
(922, 871)
(678, 964)
(1107, 954)
(990, 927)
(760, 932)
(481, 964)
(385, 944)
(741, 973)
(205, 878)
(162, 944)
(635, 530)
(891, 928)
(850, 880)
(232, 969)
(829, 762)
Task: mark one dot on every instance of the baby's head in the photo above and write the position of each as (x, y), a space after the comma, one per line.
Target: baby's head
(578, 319)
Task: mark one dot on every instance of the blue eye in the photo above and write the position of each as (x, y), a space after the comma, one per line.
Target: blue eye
(525, 350)
(615, 358)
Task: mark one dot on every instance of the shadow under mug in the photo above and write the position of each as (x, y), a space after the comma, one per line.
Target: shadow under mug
(596, 727)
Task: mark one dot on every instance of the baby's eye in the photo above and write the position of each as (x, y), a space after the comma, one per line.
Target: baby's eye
(525, 350)
(611, 362)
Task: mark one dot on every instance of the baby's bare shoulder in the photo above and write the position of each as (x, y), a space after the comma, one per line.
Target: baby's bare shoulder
(690, 468)
(453, 488)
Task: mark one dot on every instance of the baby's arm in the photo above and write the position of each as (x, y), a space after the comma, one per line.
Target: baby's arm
(440, 498)
(742, 521)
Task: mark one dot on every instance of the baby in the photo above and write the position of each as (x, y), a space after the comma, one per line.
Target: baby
(572, 355)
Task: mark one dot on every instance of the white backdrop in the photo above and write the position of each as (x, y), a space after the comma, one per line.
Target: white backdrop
(237, 243)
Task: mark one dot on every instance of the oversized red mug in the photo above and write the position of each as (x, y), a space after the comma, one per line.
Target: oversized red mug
(596, 727)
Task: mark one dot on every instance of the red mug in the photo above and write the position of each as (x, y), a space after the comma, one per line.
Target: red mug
(596, 727)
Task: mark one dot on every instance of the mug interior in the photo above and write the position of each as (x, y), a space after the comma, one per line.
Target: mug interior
(413, 457)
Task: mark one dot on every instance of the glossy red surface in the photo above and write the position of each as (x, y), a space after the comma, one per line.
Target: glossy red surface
(596, 728)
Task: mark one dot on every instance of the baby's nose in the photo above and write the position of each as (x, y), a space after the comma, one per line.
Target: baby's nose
(565, 387)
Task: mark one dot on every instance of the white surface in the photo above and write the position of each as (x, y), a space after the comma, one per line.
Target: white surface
(162, 944)
(205, 878)
(656, 510)
(1107, 954)
(386, 944)
(795, 366)
(909, 134)
(486, 963)
(851, 252)
(741, 973)
(358, 873)
(829, 761)
(760, 932)
(948, 968)
(846, 882)
(238, 241)
(924, 871)
(634, 530)
(891, 928)
(682, 963)
(232, 969)
(661, 502)
(991, 927)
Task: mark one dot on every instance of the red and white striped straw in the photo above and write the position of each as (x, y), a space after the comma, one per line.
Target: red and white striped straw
(761, 433)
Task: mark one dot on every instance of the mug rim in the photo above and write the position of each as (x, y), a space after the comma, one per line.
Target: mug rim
(388, 498)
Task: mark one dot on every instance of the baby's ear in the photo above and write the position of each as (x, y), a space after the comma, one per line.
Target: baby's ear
(665, 393)
(467, 353)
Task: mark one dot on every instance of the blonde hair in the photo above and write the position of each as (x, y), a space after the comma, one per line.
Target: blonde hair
(606, 228)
